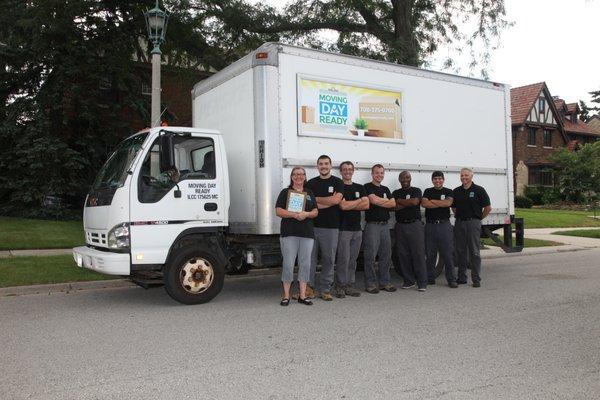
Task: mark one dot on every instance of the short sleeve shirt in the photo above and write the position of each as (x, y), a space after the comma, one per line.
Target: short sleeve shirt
(291, 226)
(328, 217)
(437, 194)
(377, 213)
(350, 220)
(408, 213)
(470, 202)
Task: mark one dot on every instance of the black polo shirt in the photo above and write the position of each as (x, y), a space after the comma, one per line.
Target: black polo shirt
(437, 194)
(291, 226)
(408, 213)
(470, 202)
(377, 213)
(350, 220)
(328, 217)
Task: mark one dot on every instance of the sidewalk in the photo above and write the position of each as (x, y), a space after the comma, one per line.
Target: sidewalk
(34, 252)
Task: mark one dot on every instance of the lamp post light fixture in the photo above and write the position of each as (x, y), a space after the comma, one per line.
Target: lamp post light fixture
(156, 23)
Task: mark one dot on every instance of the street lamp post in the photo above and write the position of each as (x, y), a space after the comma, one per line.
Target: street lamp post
(156, 23)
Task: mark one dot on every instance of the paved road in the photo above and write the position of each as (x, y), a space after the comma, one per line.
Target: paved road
(531, 332)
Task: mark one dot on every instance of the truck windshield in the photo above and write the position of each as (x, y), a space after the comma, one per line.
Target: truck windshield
(113, 173)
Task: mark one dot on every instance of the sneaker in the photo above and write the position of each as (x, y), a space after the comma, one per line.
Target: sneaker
(340, 293)
(431, 281)
(452, 285)
(372, 290)
(408, 286)
(476, 284)
(350, 291)
(326, 296)
(421, 289)
(461, 282)
(388, 288)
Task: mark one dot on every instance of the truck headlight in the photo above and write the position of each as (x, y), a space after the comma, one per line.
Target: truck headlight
(118, 236)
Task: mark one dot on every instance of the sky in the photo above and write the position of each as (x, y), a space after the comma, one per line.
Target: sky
(556, 41)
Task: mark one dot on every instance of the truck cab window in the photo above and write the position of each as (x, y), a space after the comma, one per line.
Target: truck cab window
(194, 160)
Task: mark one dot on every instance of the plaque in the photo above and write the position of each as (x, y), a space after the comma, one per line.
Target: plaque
(295, 201)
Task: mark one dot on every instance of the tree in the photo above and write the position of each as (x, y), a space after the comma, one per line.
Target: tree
(579, 172)
(584, 114)
(400, 31)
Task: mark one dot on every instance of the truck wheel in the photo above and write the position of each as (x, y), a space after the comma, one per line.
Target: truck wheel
(194, 276)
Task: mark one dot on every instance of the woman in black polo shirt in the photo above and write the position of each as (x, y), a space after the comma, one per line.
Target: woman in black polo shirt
(297, 235)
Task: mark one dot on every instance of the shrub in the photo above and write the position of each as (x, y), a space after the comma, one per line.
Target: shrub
(523, 202)
(551, 196)
(534, 194)
(360, 123)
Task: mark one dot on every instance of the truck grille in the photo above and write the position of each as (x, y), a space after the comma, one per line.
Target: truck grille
(95, 238)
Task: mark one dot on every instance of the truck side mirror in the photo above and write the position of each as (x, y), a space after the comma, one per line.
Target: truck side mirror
(167, 152)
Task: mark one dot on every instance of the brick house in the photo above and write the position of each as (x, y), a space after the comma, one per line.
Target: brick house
(537, 130)
(577, 131)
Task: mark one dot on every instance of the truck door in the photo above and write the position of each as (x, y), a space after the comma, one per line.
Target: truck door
(164, 204)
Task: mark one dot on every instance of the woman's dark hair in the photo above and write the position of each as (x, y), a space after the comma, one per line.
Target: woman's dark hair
(437, 174)
(292, 173)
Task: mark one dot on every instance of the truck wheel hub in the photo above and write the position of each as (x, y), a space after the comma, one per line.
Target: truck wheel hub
(196, 275)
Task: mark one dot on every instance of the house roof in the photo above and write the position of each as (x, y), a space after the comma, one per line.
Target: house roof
(579, 127)
(559, 103)
(594, 124)
(572, 107)
(522, 99)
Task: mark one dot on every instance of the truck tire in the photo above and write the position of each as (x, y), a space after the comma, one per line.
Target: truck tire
(193, 275)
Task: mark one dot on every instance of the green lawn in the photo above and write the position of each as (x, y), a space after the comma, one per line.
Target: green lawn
(528, 242)
(590, 233)
(20, 271)
(536, 218)
(20, 233)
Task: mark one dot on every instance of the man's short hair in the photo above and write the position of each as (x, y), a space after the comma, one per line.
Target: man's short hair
(324, 157)
(437, 174)
(402, 173)
(376, 166)
(346, 163)
(466, 169)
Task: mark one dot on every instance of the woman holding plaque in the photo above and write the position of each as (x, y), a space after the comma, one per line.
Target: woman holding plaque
(296, 206)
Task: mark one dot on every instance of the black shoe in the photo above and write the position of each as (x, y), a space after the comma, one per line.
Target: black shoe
(461, 282)
(305, 301)
(476, 284)
(452, 285)
(284, 302)
(431, 281)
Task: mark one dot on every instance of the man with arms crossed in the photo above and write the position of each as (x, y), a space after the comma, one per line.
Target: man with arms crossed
(410, 234)
(328, 191)
(377, 235)
(471, 205)
(350, 237)
(438, 230)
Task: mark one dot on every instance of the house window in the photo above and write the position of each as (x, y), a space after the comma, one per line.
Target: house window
(542, 105)
(146, 89)
(541, 176)
(531, 137)
(547, 138)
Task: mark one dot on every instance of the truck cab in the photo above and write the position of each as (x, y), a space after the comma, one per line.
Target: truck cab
(159, 205)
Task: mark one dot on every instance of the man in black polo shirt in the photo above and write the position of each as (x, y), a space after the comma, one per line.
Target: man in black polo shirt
(328, 191)
(377, 234)
(410, 234)
(471, 205)
(438, 230)
(350, 237)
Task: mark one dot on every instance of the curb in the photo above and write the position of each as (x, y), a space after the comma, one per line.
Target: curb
(34, 252)
(125, 283)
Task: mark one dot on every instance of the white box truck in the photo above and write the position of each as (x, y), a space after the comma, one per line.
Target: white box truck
(183, 206)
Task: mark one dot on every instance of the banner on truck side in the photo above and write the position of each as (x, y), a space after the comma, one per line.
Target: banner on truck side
(335, 109)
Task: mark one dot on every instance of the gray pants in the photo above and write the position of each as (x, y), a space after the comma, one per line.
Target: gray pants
(467, 235)
(438, 237)
(377, 242)
(347, 253)
(326, 241)
(410, 248)
(292, 246)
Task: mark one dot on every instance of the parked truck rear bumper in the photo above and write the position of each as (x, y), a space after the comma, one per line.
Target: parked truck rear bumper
(102, 261)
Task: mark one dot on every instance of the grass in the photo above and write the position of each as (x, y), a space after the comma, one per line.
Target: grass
(528, 242)
(20, 271)
(21, 233)
(590, 233)
(537, 218)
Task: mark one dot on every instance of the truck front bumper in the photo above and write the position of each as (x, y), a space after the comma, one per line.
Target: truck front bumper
(103, 262)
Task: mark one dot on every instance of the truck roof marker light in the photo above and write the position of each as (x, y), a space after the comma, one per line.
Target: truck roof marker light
(262, 55)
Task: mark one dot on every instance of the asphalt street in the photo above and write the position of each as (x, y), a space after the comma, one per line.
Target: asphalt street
(532, 331)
